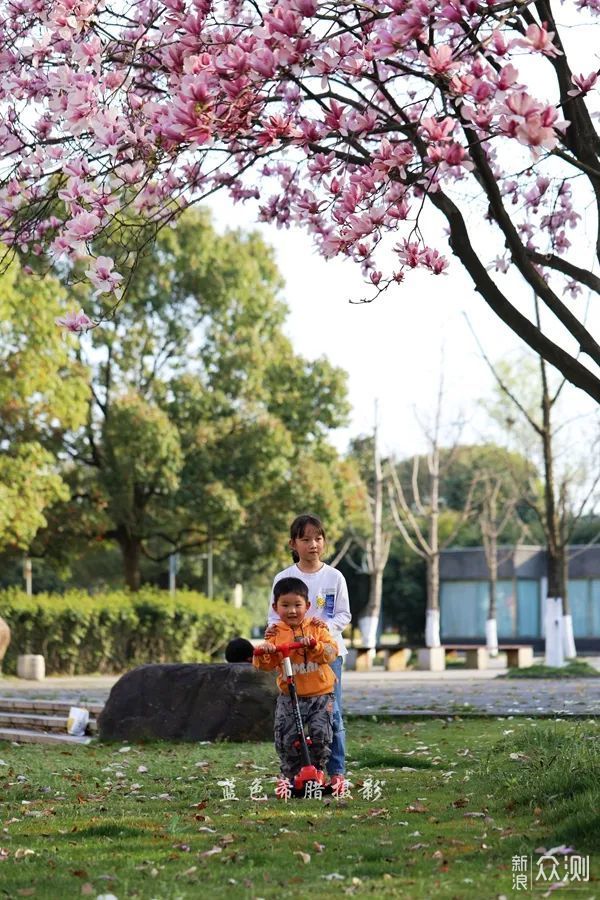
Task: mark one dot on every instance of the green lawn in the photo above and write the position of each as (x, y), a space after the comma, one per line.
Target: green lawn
(438, 809)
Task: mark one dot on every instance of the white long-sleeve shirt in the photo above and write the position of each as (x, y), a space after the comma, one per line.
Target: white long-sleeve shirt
(326, 581)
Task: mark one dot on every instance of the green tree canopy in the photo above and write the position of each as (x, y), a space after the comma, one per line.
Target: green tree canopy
(204, 427)
(43, 394)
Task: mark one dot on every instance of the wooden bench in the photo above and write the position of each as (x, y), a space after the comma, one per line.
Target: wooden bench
(517, 655)
(395, 657)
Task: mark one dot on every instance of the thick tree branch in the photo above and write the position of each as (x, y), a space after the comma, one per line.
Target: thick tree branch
(557, 356)
(581, 276)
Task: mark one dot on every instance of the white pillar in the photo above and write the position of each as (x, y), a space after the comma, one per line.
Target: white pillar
(554, 632)
(28, 576)
(569, 649)
(491, 637)
(542, 604)
(368, 630)
(432, 628)
(209, 571)
(237, 597)
(172, 572)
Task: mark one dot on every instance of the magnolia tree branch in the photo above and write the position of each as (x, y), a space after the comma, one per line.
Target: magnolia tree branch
(461, 245)
(576, 273)
(346, 120)
(521, 258)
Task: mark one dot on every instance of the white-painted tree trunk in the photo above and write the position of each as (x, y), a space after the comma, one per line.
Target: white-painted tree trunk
(491, 637)
(555, 655)
(432, 628)
(569, 648)
(368, 630)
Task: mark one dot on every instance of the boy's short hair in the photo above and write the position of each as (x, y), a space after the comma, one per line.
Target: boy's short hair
(239, 650)
(290, 586)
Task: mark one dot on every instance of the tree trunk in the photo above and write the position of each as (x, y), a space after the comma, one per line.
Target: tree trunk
(432, 614)
(369, 621)
(433, 581)
(491, 625)
(433, 563)
(489, 530)
(556, 551)
(131, 549)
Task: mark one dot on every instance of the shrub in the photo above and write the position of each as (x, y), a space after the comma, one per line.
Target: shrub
(78, 633)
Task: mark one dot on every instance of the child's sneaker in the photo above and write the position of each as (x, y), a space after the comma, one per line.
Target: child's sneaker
(283, 788)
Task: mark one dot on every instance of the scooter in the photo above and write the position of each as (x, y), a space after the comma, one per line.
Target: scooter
(308, 774)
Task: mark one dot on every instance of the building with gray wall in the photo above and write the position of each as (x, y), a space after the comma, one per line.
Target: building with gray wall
(522, 585)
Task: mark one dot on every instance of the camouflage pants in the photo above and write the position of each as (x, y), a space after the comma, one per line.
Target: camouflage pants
(317, 715)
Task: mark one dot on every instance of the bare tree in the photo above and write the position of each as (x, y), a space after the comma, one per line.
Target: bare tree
(375, 546)
(418, 522)
(495, 513)
(555, 514)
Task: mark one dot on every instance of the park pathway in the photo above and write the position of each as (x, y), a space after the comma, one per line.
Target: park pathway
(391, 693)
(453, 693)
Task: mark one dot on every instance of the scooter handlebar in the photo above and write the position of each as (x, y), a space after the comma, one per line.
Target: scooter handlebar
(284, 649)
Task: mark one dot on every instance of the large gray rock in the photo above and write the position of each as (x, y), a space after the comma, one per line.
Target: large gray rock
(190, 702)
(4, 639)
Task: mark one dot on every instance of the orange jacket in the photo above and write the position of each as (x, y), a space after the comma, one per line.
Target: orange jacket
(310, 665)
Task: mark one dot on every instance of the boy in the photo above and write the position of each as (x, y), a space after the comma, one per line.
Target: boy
(313, 676)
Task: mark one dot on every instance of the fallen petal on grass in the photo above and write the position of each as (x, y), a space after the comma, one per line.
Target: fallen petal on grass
(212, 851)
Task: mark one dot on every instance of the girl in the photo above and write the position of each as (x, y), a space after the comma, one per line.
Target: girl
(328, 595)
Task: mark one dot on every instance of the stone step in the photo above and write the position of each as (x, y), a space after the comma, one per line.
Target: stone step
(23, 736)
(37, 722)
(47, 707)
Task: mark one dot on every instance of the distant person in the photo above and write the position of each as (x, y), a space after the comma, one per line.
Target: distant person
(239, 650)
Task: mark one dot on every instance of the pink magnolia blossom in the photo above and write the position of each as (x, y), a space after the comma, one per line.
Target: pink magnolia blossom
(76, 322)
(434, 261)
(539, 130)
(450, 154)
(83, 226)
(507, 77)
(583, 83)
(440, 61)
(409, 253)
(438, 130)
(499, 43)
(500, 264)
(540, 39)
(283, 21)
(460, 84)
(102, 276)
(573, 289)
(348, 120)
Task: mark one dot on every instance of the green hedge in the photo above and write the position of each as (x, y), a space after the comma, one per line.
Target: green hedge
(78, 633)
